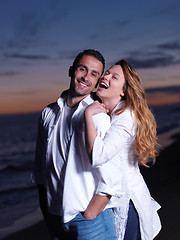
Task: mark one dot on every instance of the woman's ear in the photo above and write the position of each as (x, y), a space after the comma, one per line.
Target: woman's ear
(122, 94)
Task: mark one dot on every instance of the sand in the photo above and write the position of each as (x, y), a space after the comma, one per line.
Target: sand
(163, 180)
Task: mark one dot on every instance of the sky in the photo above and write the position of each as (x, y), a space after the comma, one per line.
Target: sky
(40, 38)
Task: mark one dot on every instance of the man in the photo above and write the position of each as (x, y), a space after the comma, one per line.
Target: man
(67, 183)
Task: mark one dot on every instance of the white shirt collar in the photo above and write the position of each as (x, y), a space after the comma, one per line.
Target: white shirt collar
(120, 105)
(84, 102)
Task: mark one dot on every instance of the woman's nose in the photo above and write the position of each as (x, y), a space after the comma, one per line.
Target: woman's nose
(106, 77)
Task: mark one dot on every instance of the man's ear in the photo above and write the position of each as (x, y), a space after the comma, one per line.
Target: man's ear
(71, 71)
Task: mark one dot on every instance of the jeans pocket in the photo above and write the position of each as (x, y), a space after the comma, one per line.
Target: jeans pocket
(85, 219)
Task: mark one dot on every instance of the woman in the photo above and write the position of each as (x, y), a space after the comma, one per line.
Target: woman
(130, 141)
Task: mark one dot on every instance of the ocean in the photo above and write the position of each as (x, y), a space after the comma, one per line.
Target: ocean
(18, 197)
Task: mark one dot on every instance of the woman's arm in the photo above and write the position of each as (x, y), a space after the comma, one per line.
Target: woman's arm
(96, 206)
(91, 131)
(98, 202)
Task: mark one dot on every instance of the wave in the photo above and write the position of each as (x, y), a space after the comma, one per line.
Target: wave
(16, 189)
(165, 129)
(16, 153)
(16, 168)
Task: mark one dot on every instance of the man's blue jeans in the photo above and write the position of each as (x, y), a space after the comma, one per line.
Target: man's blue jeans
(79, 228)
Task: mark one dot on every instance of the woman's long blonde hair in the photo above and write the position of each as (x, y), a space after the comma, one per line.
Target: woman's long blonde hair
(146, 138)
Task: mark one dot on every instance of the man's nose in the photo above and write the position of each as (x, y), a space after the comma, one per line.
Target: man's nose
(86, 76)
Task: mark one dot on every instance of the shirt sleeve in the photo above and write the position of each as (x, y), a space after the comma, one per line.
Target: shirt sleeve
(101, 123)
(118, 135)
(37, 174)
(112, 180)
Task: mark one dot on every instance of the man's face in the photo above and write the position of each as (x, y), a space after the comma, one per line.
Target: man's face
(86, 76)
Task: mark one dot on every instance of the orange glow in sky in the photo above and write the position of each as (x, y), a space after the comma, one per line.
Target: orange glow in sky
(159, 98)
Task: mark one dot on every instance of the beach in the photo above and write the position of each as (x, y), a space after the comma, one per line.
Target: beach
(163, 180)
(22, 218)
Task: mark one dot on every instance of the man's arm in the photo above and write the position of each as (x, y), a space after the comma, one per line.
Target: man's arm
(42, 198)
(96, 206)
(37, 169)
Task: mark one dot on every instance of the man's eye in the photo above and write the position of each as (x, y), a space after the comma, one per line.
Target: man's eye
(94, 74)
(82, 69)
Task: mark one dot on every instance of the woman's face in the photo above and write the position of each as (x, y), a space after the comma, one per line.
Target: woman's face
(111, 84)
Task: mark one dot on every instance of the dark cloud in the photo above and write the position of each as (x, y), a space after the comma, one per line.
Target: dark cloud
(11, 44)
(170, 89)
(172, 8)
(93, 36)
(170, 45)
(154, 56)
(18, 45)
(9, 73)
(121, 23)
(151, 62)
(28, 25)
(25, 56)
(71, 54)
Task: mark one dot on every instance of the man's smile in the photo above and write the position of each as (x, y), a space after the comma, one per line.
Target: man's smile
(83, 84)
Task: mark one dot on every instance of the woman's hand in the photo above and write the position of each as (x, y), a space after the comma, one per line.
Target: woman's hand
(94, 108)
(91, 132)
(96, 206)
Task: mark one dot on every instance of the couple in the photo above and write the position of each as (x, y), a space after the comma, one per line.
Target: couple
(88, 152)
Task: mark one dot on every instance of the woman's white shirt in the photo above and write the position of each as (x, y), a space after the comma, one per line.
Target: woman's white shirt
(120, 174)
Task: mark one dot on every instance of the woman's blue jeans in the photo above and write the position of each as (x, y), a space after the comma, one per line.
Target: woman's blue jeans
(79, 228)
(132, 227)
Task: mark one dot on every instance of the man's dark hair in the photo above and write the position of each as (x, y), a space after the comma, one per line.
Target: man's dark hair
(88, 52)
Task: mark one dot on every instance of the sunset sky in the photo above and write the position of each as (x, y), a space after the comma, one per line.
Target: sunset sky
(40, 38)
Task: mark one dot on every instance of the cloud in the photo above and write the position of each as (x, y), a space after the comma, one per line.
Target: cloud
(28, 25)
(171, 8)
(26, 56)
(9, 73)
(32, 21)
(151, 62)
(18, 45)
(18, 93)
(170, 89)
(121, 23)
(175, 45)
(161, 55)
(93, 36)
(71, 54)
